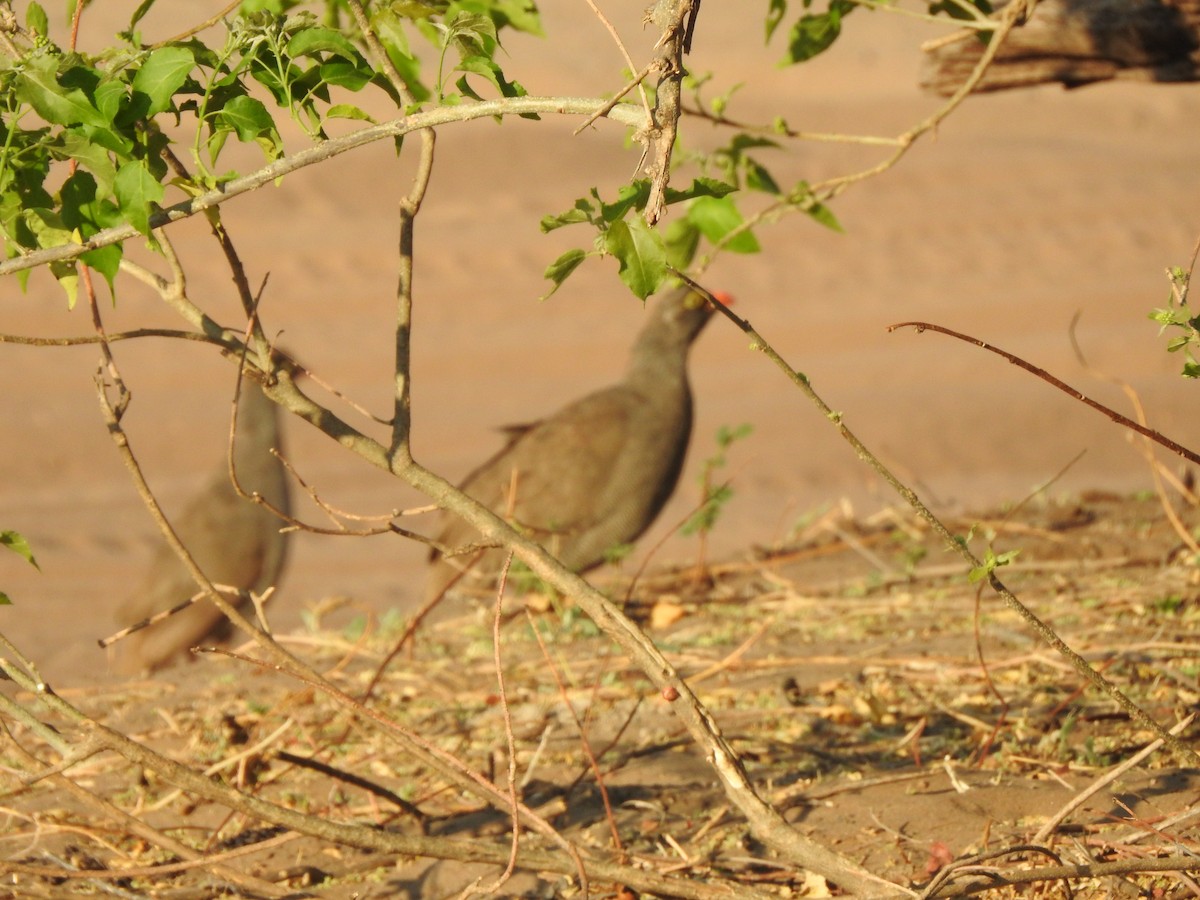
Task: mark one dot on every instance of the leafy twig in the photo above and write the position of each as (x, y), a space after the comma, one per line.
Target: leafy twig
(624, 114)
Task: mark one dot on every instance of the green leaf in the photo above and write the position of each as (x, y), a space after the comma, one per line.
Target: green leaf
(471, 33)
(560, 270)
(389, 27)
(741, 142)
(106, 261)
(109, 97)
(520, 15)
(776, 10)
(819, 212)
(727, 437)
(67, 276)
(47, 227)
(137, 192)
(4, 601)
(640, 254)
(991, 562)
(630, 196)
(681, 239)
(77, 197)
(464, 88)
(340, 73)
(348, 111)
(247, 118)
(140, 12)
(482, 65)
(705, 518)
(1178, 343)
(802, 198)
(315, 41)
(813, 34)
(570, 217)
(36, 20)
(161, 75)
(716, 217)
(759, 179)
(955, 11)
(700, 187)
(37, 85)
(18, 545)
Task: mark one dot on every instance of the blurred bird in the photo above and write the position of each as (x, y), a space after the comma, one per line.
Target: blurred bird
(234, 540)
(594, 475)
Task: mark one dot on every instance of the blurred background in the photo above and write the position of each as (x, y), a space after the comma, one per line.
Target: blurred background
(1025, 209)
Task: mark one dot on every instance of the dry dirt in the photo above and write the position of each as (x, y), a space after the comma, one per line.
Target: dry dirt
(1025, 209)
(842, 665)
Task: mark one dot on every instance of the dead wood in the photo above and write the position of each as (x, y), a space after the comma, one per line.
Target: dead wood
(1078, 42)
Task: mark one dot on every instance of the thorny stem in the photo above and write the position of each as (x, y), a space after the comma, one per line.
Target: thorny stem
(668, 17)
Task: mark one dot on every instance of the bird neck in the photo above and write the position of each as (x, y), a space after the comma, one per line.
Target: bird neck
(658, 364)
(258, 427)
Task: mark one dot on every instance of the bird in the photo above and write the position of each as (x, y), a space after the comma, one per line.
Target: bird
(233, 540)
(593, 476)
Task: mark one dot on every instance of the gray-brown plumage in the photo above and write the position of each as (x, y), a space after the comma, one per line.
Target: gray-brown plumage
(594, 475)
(235, 541)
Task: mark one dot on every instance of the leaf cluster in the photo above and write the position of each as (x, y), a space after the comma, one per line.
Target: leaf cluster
(1183, 322)
(814, 32)
(646, 257)
(88, 142)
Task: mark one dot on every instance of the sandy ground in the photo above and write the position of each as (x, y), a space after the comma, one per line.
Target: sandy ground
(1025, 210)
(846, 672)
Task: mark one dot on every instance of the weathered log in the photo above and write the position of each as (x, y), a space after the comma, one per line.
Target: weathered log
(1078, 42)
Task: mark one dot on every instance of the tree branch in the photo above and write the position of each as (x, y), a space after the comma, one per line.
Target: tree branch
(624, 114)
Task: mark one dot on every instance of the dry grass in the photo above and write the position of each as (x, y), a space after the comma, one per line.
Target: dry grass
(844, 668)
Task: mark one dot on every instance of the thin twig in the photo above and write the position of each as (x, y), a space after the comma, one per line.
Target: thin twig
(1108, 778)
(1041, 373)
(511, 745)
(1047, 633)
(637, 82)
(479, 785)
(593, 760)
(1013, 14)
(1157, 470)
(196, 29)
